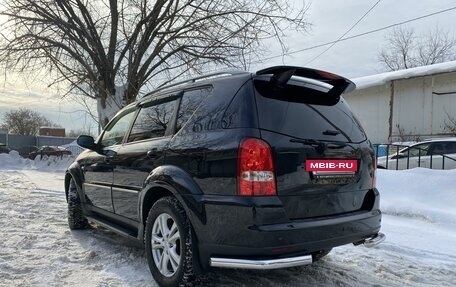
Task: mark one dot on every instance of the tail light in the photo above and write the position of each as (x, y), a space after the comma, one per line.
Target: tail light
(255, 169)
(374, 172)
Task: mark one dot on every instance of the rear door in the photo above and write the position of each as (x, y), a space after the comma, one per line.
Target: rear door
(305, 122)
(141, 153)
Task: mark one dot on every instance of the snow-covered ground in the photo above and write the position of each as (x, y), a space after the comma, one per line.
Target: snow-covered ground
(38, 249)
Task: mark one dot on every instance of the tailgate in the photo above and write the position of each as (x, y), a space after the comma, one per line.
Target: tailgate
(323, 161)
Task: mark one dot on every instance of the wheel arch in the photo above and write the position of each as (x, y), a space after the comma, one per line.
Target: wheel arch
(171, 180)
(75, 172)
(67, 184)
(152, 195)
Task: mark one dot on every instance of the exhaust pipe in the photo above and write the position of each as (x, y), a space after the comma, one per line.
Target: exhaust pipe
(374, 240)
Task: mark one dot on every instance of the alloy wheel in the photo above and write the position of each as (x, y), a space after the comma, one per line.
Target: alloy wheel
(166, 244)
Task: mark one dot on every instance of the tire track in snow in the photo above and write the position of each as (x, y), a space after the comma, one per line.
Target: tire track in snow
(38, 249)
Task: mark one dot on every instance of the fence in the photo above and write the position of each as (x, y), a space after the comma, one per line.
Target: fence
(53, 141)
(26, 144)
(75, 149)
(17, 141)
(393, 156)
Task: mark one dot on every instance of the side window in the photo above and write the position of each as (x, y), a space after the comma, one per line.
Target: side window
(189, 103)
(444, 148)
(419, 150)
(450, 147)
(116, 130)
(438, 148)
(152, 121)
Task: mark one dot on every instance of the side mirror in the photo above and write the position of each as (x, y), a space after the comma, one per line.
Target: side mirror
(86, 142)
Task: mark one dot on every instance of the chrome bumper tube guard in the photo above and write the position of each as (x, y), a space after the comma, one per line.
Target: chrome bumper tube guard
(374, 240)
(261, 264)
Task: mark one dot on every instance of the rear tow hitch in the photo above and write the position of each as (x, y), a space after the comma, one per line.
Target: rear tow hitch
(372, 241)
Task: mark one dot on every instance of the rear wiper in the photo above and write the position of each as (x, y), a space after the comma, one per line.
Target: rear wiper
(307, 141)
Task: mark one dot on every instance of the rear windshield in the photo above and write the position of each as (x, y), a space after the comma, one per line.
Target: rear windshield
(286, 111)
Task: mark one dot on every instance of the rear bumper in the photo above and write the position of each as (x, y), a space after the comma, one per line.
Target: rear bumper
(261, 264)
(282, 262)
(254, 233)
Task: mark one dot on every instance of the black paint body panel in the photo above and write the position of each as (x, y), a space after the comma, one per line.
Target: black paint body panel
(197, 163)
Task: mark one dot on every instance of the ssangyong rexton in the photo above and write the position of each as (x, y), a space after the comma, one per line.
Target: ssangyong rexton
(243, 170)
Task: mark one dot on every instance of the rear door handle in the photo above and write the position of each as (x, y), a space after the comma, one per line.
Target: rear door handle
(152, 153)
(108, 159)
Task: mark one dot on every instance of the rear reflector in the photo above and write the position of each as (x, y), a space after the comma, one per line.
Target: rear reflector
(374, 172)
(255, 169)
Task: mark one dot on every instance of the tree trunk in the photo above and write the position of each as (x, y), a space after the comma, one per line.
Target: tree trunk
(109, 105)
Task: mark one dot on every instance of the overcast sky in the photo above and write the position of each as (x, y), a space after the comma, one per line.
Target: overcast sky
(358, 57)
(330, 19)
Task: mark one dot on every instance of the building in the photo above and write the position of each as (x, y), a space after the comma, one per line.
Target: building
(409, 104)
(52, 131)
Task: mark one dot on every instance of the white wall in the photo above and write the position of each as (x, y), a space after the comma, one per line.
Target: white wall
(416, 109)
(443, 104)
(371, 107)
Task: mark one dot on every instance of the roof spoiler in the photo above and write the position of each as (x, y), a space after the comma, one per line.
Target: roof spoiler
(282, 74)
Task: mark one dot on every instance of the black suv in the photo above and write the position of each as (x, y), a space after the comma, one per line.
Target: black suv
(257, 171)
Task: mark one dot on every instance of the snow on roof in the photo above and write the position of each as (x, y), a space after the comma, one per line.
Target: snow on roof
(52, 128)
(380, 79)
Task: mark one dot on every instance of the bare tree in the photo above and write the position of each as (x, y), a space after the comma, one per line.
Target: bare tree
(403, 136)
(406, 50)
(113, 50)
(449, 124)
(24, 122)
(82, 131)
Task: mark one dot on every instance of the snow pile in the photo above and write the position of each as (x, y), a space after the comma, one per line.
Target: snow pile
(13, 161)
(380, 79)
(419, 193)
(38, 249)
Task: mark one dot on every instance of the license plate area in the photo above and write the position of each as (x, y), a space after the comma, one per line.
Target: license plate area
(332, 168)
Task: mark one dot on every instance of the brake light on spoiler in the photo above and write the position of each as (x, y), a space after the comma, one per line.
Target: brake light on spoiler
(324, 168)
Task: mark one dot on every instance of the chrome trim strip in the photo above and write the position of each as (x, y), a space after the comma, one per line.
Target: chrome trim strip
(261, 264)
(119, 189)
(98, 184)
(375, 240)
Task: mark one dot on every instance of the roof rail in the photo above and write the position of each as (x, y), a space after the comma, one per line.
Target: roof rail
(229, 72)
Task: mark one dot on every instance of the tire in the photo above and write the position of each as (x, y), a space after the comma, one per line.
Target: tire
(168, 227)
(76, 219)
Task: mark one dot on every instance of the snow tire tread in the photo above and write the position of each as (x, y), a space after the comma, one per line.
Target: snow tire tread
(76, 219)
(186, 276)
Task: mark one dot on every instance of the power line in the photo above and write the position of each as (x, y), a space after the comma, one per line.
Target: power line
(356, 36)
(341, 38)
(348, 31)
